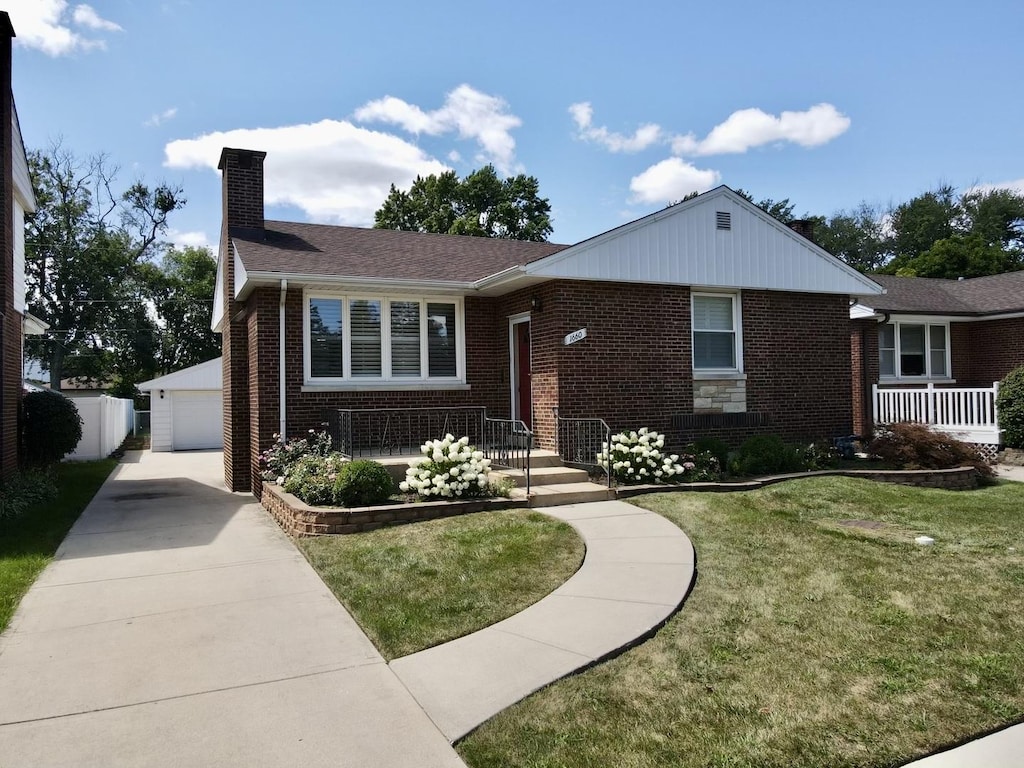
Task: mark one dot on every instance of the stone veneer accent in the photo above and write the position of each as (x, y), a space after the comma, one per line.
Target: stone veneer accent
(720, 396)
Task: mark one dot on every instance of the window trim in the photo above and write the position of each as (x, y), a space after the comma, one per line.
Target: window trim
(737, 330)
(927, 323)
(386, 379)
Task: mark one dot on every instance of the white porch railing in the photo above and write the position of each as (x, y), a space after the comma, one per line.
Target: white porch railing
(967, 413)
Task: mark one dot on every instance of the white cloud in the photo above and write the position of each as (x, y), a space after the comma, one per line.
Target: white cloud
(157, 118)
(1014, 186)
(670, 180)
(644, 136)
(466, 111)
(195, 239)
(86, 16)
(49, 26)
(454, 156)
(336, 172)
(749, 128)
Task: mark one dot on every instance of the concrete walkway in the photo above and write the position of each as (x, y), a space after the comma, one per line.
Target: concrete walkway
(1010, 472)
(179, 626)
(637, 570)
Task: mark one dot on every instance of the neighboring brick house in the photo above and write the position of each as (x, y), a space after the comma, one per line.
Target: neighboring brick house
(16, 199)
(948, 333)
(706, 318)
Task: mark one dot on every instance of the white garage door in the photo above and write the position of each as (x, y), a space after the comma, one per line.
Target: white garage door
(196, 420)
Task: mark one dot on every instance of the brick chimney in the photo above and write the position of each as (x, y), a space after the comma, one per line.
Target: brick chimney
(242, 206)
(10, 319)
(803, 227)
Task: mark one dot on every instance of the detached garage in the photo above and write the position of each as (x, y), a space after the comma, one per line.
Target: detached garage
(186, 408)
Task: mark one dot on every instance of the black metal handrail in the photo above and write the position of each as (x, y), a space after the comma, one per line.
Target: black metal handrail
(401, 431)
(579, 441)
(507, 443)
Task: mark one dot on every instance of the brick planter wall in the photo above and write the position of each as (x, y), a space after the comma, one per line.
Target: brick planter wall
(300, 519)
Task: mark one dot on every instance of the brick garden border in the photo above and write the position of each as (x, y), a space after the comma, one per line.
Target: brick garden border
(300, 519)
(958, 479)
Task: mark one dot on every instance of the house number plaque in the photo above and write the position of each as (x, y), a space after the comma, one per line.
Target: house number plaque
(575, 336)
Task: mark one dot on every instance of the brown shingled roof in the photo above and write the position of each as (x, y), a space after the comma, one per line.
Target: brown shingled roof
(975, 296)
(320, 249)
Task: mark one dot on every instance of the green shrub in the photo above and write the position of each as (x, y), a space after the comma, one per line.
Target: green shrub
(766, 455)
(277, 461)
(49, 427)
(312, 478)
(711, 445)
(821, 454)
(362, 484)
(1010, 403)
(907, 445)
(23, 490)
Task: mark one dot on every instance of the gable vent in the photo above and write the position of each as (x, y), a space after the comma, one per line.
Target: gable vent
(723, 220)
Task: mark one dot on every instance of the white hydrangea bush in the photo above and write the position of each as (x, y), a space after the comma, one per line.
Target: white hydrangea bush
(636, 457)
(448, 468)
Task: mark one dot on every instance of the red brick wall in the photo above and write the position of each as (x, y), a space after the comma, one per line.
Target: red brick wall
(10, 353)
(241, 205)
(633, 369)
(996, 348)
(864, 373)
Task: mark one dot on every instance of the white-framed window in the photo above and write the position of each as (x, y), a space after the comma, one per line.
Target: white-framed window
(913, 350)
(361, 339)
(717, 338)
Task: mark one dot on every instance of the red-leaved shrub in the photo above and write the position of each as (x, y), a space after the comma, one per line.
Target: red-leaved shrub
(908, 445)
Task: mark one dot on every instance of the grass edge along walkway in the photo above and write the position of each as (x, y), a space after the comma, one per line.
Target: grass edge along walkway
(28, 542)
(817, 634)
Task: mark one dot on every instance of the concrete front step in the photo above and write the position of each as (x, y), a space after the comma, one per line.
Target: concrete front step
(541, 457)
(545, 476)
(565, 493)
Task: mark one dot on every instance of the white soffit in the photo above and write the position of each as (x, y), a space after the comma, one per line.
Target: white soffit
(206, 375)
(683, 245)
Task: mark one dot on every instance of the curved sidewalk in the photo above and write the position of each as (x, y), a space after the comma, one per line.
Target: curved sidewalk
(637, 571)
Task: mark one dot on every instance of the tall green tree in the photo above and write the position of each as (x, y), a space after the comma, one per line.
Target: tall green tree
(182, 289)
(481, 204)
(86, 246)
(857, 236)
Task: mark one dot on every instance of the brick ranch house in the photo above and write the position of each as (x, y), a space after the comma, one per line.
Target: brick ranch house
(930, 350)
(16, 199)
(706, 318)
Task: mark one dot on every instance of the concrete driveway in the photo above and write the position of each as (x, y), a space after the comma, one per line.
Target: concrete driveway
(179, 626)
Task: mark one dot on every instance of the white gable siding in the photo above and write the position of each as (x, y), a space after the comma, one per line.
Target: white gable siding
(682, 246)
(19, 258)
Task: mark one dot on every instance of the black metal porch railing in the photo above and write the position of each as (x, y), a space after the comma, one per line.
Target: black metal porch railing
(579, 441)
(359, 432)
(507, 443)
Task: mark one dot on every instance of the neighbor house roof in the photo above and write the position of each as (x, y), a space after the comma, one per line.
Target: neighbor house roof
(330, 251)
(994, 294)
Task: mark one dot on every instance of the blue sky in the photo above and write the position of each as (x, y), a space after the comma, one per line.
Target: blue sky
(617, 108)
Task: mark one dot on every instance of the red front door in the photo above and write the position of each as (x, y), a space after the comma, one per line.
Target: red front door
(524, 392)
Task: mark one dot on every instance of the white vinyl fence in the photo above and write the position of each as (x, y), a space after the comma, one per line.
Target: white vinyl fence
(106, 421)
(967, 413)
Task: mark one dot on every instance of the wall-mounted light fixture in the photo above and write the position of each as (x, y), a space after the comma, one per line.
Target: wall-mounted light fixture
(535, 304)
(161, 394)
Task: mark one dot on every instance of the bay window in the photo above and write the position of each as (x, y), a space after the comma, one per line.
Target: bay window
(913, 350)
(358, 339)
(716, 338)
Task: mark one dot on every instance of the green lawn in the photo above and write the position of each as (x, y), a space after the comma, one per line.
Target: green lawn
(27, 543)
(818, 634)
(414, 586)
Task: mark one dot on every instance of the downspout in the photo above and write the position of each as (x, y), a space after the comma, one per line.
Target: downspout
(283, 426)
